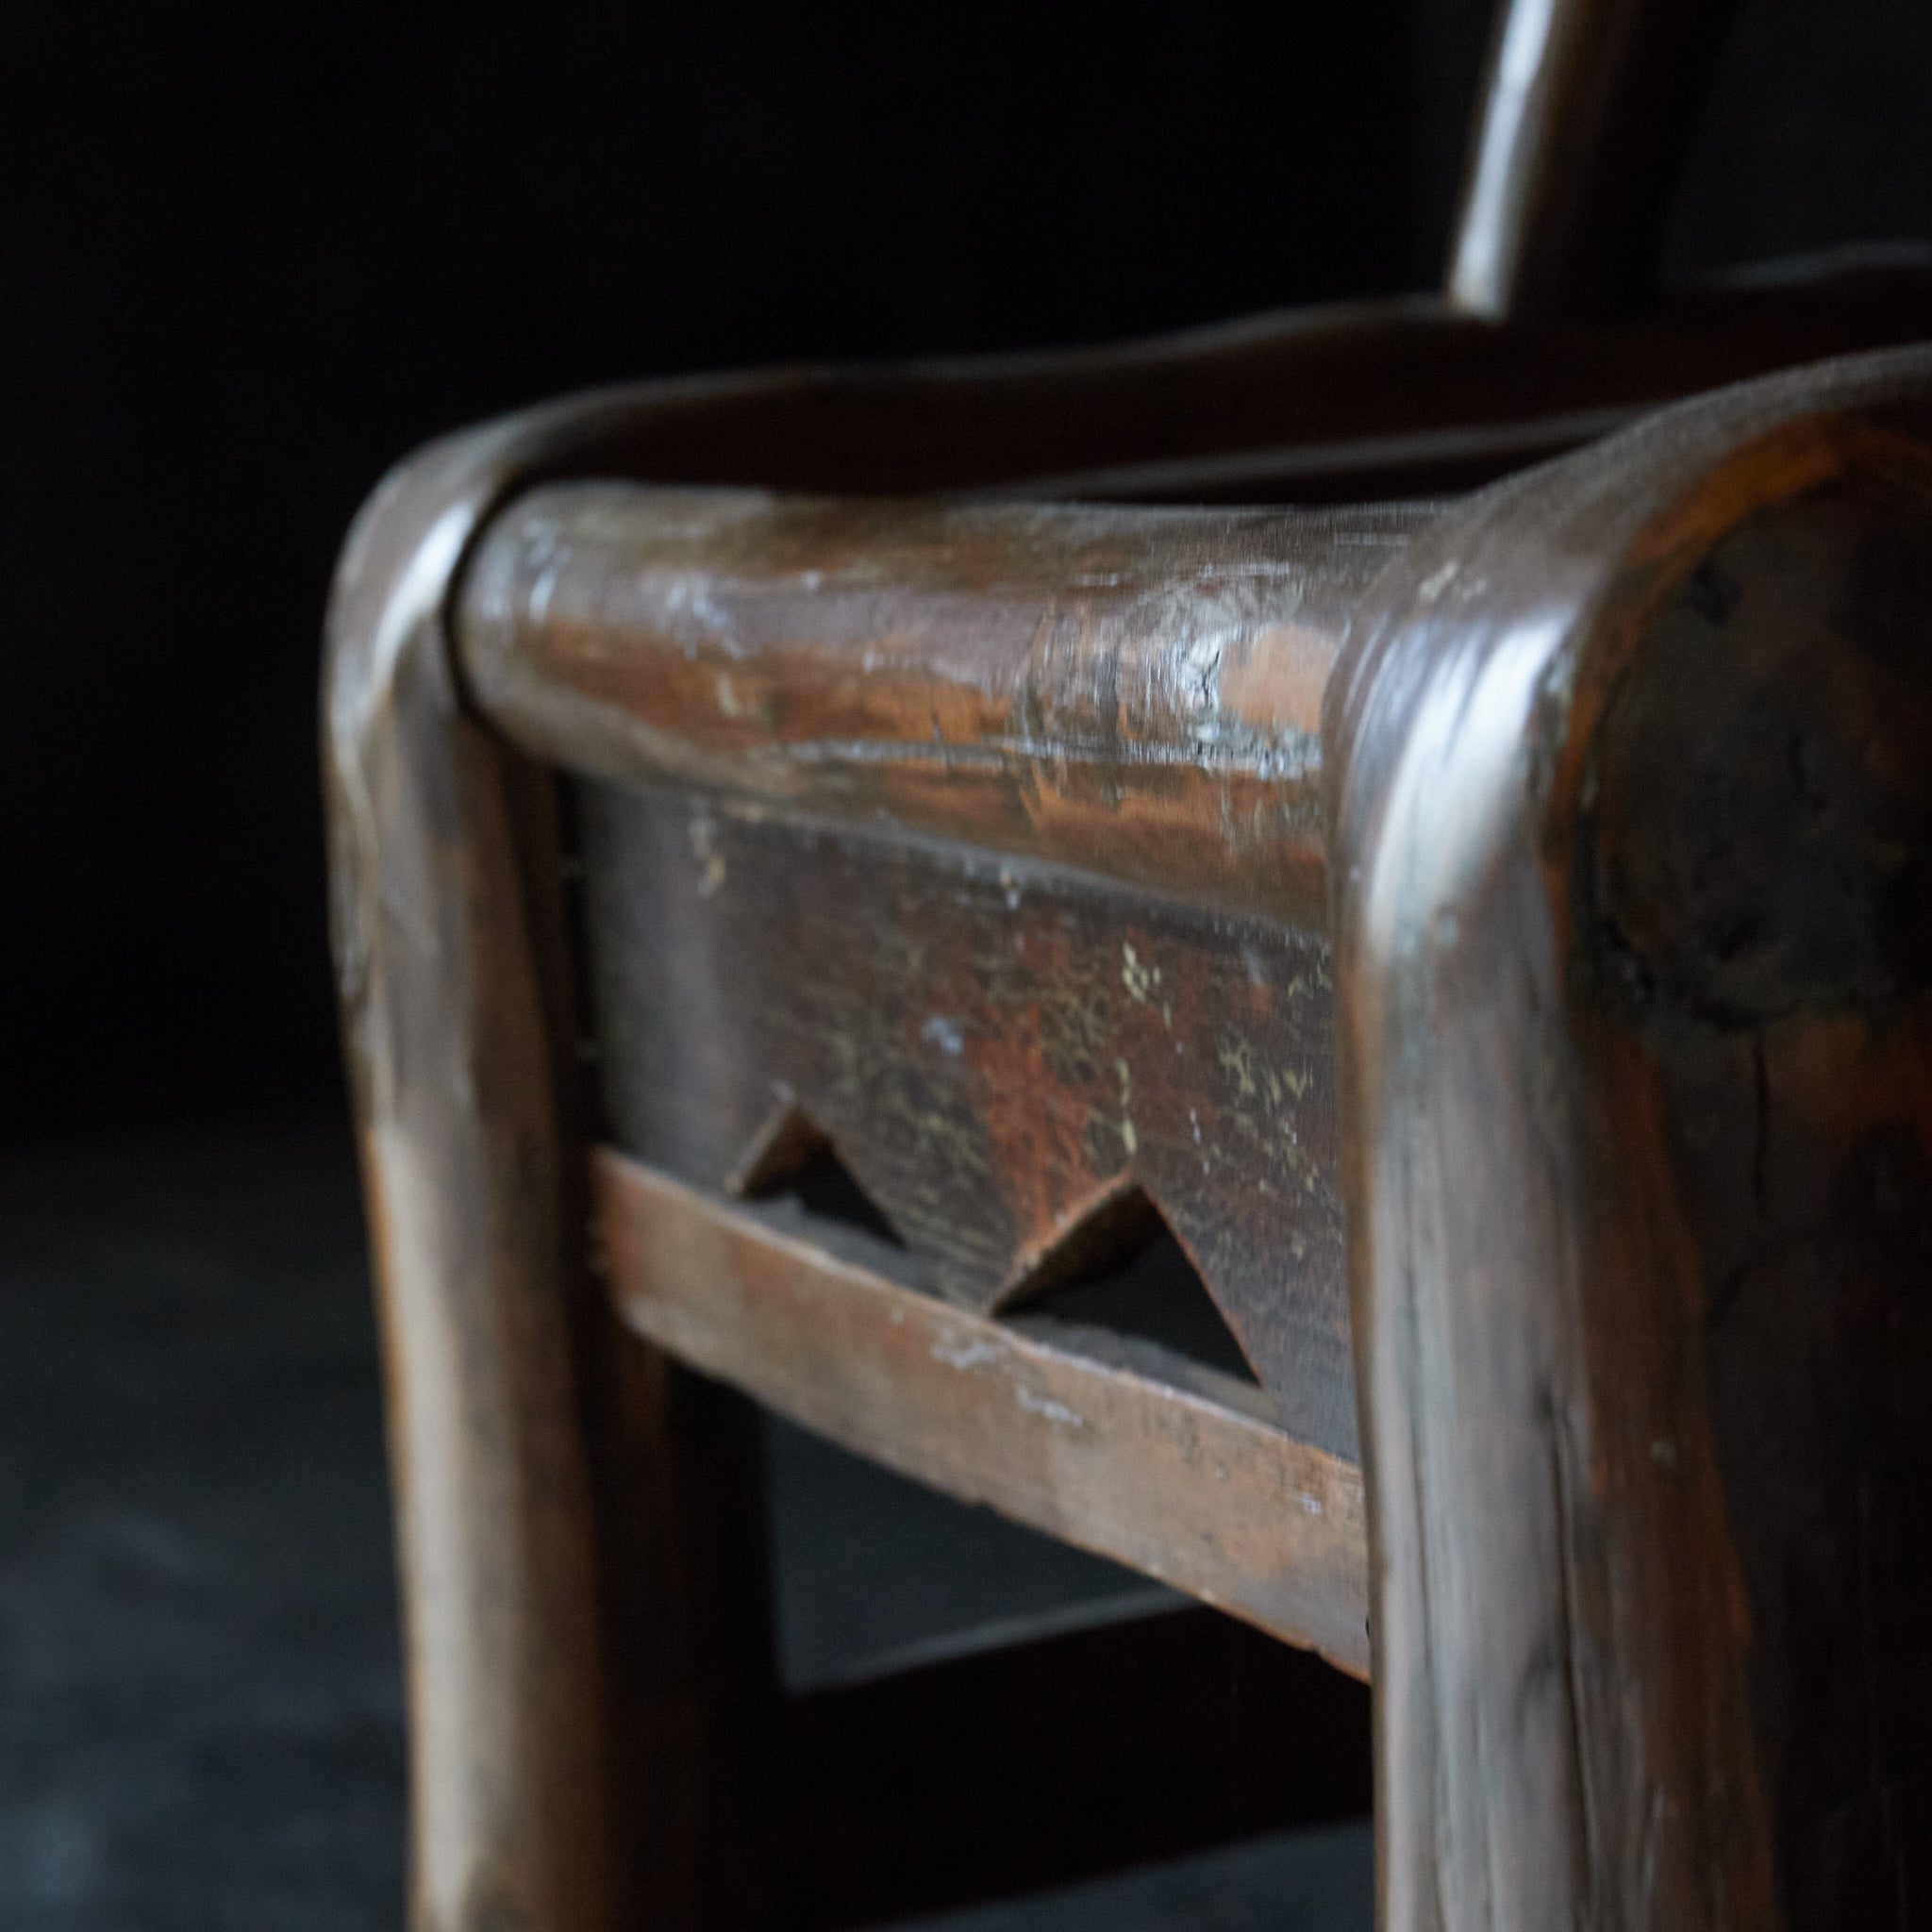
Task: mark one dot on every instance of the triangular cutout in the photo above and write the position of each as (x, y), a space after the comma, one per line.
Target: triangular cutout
(794, 1159)
(1120, 1268)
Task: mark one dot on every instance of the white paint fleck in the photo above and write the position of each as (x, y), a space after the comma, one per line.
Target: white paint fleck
(1045, 1404)
(944, 1034)
(1138, 979)
(965, 1355)
(704, 847)
(541, 593)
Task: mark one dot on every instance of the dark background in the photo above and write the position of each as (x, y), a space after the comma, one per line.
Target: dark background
(251, 255)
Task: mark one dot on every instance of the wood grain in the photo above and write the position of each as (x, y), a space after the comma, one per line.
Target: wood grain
(993, 1048)
(1135, 691)
(439, 919)
(532, 1702)
(511, 1409)
(1210, 1495)
(1632, 943)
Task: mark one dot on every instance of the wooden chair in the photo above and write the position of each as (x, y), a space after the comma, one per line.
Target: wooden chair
(1489, 936)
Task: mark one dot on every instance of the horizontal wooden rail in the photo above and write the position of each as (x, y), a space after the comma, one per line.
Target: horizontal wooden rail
(1133, 692)
(1335, 404)
(1210, 1496)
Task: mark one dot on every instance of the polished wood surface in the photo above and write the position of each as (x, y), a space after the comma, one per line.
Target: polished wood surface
(452, 1020)
(1632, 836)
(1008, 1059)
(1586, 116)
(1340, 403)
(1131, 691)
(1188, 1478)
(1614, 817)
(575, 1622)
(441, 913)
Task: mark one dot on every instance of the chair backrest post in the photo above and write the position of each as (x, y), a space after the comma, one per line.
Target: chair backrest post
(1582, 128)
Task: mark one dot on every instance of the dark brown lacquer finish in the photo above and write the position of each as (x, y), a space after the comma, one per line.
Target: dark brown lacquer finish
(1136, 692)
(958, 918)
(1001, 1050)
(1631, 765)
(1000, 1055)
(1587, 111)
(524, 1435)
(440, 915)
(1178, 1473)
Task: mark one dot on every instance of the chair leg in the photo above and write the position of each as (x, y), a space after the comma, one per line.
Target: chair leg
(509, 1394)
(1633, 843)
(696, 1717)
